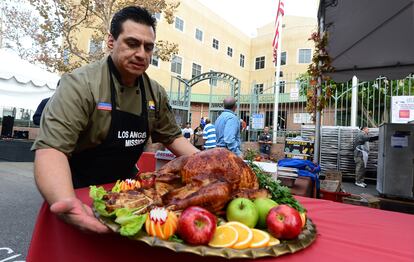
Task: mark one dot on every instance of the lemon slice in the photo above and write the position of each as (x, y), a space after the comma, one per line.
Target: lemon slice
(260, 238)
(245, 234)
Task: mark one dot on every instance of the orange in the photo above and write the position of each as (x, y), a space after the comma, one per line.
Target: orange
(245, 234)
(224, 236)
(303, 218)
(273, 241)
(162, 230)
(260, 238)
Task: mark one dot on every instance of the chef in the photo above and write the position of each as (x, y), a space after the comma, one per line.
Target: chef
(95, 127)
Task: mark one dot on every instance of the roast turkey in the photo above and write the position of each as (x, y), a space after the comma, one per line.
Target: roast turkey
(209, 179)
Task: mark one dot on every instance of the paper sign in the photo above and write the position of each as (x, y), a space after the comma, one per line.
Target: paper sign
(399, 141)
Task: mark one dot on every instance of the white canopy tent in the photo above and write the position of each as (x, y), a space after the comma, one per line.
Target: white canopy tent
(23, 84)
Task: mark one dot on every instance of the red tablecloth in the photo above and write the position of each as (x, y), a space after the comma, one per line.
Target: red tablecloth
(345, 233)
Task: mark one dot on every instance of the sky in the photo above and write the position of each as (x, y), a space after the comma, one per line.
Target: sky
(247, 15)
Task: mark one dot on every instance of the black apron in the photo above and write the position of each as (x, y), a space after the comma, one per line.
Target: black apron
(116, 156)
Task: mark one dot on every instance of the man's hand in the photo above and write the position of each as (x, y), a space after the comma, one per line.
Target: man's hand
(74, 212)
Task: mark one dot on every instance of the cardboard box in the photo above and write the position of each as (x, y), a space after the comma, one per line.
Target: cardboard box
(330, 185)
(362, 200)
(333, 175)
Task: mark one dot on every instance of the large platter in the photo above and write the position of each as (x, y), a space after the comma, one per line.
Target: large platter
(305, 239)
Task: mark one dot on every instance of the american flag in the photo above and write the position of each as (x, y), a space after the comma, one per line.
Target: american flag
(279, 14)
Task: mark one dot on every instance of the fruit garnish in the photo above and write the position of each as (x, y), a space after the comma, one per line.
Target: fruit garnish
(161, 223)
(244, 232)
(260, 238)
(224, 236)
(273, 241)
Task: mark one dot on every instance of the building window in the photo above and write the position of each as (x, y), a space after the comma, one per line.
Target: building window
(179, 24)
(304, 56)
(241, 60)
(196, 70)
(260, 62)
(215, 43)
(283, 58)
(199, 35)
(157, 16)
(95, 47)
(230, 51)
(213, 81)
(155, 60)
(176, 64)
(259, 88)
(282, 86)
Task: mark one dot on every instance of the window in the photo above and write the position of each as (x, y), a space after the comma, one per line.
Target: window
(176, 64)
(213, 81)
(241, 60)
(230, 51)
(215, 43)
(155, 60)
(196, 70)
(179, 24)
(157, 16)
(95, 47)
(199, 35)
(282, 84)
(259, 88)
(283, 58)
(260, 62)
(304, 56)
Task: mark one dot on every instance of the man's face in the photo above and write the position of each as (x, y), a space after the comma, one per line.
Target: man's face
(266, 130)
(132, 51)
(366, 130)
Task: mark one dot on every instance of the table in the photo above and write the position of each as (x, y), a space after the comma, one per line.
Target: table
(345, 233)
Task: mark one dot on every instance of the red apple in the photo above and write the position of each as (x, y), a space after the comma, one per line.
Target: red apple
(284, 222)
(196, 225)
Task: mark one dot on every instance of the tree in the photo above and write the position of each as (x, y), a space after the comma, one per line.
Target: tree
(57, 37)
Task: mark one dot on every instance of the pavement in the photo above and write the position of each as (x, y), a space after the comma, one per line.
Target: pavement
(20, 203)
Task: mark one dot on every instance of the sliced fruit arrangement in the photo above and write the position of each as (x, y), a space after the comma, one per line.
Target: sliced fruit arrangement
(225, 236)
(129, 184)
(161, 223)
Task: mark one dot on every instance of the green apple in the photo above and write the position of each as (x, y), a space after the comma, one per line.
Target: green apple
(242, 210)
(263, 206)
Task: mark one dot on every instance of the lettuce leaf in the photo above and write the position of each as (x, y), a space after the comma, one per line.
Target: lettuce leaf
(131, 224)
(96, 193)
(100, 207)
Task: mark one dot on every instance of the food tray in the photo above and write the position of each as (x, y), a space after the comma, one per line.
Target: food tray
(305, 239)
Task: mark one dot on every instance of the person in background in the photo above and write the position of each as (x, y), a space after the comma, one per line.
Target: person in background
(38, 114)
(265, 142)
(198, 140)
(95, 126)
(209, 135)
(202, 123)
(361, 151)
(187, 131)
(228, 127)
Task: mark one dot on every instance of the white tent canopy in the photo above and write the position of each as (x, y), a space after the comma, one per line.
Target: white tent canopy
(369, 38)
(23, 84)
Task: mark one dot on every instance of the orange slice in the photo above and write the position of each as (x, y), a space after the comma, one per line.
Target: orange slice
(245, 234)
(303, 218)
(224, 236)
(260, 238)
(273, 241)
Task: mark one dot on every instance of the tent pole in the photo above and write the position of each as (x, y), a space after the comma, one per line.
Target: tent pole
(354, 101)
(318, 117)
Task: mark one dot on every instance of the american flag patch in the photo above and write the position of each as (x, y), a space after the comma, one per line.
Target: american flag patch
(104, 106)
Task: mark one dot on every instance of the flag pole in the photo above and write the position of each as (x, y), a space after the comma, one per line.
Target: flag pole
(277, 82)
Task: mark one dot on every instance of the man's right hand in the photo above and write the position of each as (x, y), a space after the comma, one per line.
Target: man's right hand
(74, 212)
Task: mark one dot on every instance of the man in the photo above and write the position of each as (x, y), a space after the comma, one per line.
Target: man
(187, 131)
(39, 110)
(265, 142)
(361, 151)
(96, 125)
(228, 127)
(209, 135)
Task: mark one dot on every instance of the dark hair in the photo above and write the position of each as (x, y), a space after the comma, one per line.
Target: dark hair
(135, 13)
(229, 103)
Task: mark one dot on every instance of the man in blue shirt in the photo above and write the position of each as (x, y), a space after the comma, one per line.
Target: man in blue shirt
(228, 127)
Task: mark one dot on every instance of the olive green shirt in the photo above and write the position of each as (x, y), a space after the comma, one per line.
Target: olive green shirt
(71, 121)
